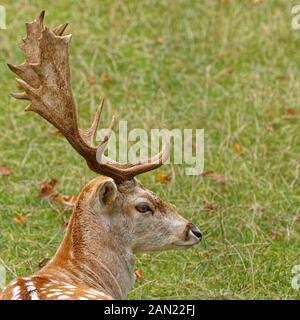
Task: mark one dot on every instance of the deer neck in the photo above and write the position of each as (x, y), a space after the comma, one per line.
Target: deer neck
(91, 254)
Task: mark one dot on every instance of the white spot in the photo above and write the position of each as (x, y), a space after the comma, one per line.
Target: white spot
(54, 290)
(32, 291)
(63, 297)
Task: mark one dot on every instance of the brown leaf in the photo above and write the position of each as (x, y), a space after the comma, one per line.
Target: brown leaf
(207, 172)
(219, 178)
(47, 189)
(208, 253)
(69, 201)
(281, 77)
(275, 234)
(20, 218)
(297, 218)
(236, 148)
(163, 178)
(43, 262)
(5, 170)
(91, 80)
(209, 206)
(106, 78)
(160, 40)
(138, 274)
(289, 112)
(269, 127)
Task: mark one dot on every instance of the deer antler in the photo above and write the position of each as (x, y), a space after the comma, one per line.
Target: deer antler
(45, 78)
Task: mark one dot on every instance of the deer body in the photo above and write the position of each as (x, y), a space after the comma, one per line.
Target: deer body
(115, 217)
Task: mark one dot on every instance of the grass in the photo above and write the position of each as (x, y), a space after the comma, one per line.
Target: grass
(231, 67)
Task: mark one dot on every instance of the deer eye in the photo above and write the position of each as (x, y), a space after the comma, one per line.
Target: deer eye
(143, 207)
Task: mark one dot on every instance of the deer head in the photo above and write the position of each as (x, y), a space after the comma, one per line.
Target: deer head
(115, 216)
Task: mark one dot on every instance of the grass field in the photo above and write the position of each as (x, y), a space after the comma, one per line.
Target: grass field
(230, 67)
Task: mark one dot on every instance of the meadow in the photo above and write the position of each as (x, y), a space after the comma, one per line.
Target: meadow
(231, 67)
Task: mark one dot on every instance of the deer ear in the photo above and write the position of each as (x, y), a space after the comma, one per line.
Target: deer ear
(107, 192)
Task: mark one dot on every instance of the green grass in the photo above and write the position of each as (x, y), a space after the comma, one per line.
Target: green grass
(231, 67)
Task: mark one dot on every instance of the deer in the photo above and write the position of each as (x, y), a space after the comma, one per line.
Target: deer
(115, 216)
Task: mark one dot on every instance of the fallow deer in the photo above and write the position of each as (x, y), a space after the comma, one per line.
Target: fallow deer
(115, 217)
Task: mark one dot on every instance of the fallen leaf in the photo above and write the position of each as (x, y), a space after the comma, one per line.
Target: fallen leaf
(69, 201)
(138, 274)
(236, 148)
(91, 80)
(106, 78)
(269, 127)
(163, 178)
(219, 178)
(43, 262)
(275, 234)
(5, 171)
(160, 40)
(47, 189)
(209, 206)
(20, 218)
(207, 172)
(208, 253)
(281, 77)
(289, 112)
(297, 218)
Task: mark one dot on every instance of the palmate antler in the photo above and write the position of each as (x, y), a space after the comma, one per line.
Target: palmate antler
(45, 78)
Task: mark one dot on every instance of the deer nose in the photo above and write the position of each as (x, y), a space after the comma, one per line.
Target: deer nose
(195, 231)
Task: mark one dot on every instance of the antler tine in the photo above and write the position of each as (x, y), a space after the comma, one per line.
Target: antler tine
(45, 78)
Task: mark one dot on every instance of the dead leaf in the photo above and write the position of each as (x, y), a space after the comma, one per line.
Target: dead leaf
(236, 148)
(20, 218)
(209, 206)
(297, 218)
(281, 77)
(219, 178)
(269, 127)
(163, 178)
(91, 80)
(208, 253)
(138, 274)
(69, 201)
(275, 234)
(160, 40)
(207, 172)
(5, 170)
(289, 112)
(43, 262)
(106, 78)
(47, 189)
